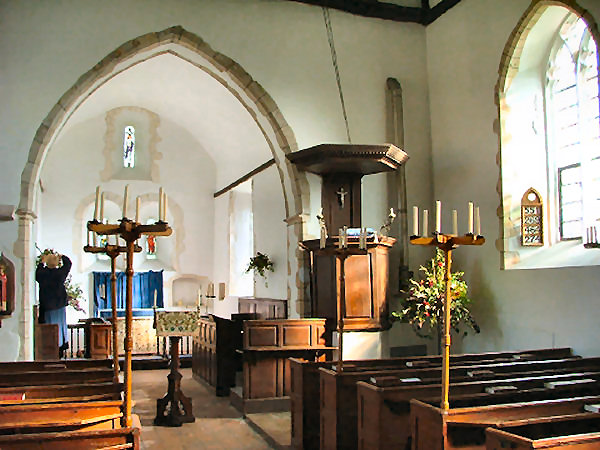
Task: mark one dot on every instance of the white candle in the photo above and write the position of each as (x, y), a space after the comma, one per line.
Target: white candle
(477, 221)
(96, 203)
(425, 222)
(138, 204)
(95, 238)
(438, 216)
(155, 295)
(454, 222)
(165, 201)
(160, 199)
(470, 217)
(88, 238)
(102, 207)
(415, 221)
(125, 200)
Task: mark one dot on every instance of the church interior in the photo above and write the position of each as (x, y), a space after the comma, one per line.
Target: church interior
(351, 224)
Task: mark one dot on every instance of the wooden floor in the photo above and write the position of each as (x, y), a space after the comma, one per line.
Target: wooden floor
(218, 425)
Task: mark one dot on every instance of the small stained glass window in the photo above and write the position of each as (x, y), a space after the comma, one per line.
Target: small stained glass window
(129, 147)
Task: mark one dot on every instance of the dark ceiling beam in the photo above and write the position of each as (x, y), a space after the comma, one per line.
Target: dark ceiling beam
(439, 9)
(387, 11)
(372, 8)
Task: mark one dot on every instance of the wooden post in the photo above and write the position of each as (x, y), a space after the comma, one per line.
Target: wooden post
(113, 301)
(128, 341)
(341, 311)
(446, 339)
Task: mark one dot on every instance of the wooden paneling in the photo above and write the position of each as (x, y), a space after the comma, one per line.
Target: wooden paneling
(267, 346)
(98, 338)
(46, 341)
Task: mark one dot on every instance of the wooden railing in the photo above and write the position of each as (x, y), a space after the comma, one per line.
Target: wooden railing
(77, 343)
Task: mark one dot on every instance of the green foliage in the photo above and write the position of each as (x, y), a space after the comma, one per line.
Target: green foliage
(423, 305)
(260, 263)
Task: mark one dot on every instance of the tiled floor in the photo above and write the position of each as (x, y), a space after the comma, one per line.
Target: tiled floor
(218, 425)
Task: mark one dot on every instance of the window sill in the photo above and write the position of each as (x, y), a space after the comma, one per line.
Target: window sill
(562, 254)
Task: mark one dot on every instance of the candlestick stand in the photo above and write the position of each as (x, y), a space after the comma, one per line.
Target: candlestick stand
(130, 231)
(447, 243)
(112, 251)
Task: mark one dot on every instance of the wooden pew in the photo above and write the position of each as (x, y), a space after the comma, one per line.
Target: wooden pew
(215, 359)
(574, 431)
(59, 376)
(305, 388)
(464, 426)
(119, 438)
(32, 418)
(338, 391)
(384, 412)
(33, 394)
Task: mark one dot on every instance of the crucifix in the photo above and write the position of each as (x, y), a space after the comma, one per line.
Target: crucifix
(342, 196)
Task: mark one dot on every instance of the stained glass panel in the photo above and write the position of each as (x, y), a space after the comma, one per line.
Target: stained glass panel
(129, 147)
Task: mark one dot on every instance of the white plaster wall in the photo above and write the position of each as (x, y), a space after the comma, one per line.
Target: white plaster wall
(270, 232)
(187, 175)
(517, 308)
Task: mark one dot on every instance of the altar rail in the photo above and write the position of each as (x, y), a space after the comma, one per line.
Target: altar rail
(77, 343)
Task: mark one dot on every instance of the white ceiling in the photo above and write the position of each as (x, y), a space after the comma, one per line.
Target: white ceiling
(182, 93)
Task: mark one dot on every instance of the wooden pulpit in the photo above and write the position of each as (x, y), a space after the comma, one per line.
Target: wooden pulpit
(359, 283)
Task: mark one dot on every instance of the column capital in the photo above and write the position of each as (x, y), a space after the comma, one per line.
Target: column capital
(26, 214)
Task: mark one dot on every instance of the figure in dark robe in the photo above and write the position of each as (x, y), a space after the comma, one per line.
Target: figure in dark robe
(51, 277)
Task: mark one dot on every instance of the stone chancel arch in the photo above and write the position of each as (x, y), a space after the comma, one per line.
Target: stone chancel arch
(175, 41)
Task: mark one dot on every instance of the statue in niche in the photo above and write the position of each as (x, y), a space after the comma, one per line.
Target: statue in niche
(151, 244)
(129, 147)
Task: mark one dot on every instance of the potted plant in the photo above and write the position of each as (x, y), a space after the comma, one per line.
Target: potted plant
(422, 307)
(260, 264)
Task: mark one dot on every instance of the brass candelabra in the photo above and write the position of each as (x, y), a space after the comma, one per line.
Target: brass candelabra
(447, 243)
(130, 231)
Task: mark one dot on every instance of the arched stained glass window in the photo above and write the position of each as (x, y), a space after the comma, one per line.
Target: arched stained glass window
(129, 147)
(574, 136)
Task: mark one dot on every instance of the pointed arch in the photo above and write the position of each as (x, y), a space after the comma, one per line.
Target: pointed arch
(191, 48)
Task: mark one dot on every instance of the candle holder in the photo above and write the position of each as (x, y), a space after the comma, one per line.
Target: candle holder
(130, 231)
(447, 243)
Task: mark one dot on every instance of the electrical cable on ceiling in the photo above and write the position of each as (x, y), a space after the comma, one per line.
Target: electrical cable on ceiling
(336, 68)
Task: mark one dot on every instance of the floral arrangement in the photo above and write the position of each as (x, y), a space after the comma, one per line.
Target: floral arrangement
(74, 291)
(423, 305)
(260, 263)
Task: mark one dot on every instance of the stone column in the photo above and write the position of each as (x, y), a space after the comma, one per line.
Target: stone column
(298, 280)
(23, 249)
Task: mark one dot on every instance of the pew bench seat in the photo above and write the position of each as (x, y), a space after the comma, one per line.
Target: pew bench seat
(45, 416)
(575, 431)
(118, 438)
